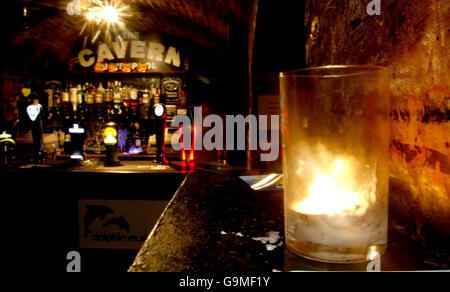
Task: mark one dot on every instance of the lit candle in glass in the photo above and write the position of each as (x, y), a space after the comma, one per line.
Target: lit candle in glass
(335, 142)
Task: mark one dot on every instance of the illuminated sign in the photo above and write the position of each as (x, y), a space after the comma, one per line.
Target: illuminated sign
(110, 136)
(130, 53)
(139, 50)
(33, 111)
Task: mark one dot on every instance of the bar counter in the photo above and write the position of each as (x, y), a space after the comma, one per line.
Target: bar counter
(43, 210)
(211, 221)
(217, 223)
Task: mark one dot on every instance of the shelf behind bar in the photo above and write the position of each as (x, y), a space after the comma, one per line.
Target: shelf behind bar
(130, 73)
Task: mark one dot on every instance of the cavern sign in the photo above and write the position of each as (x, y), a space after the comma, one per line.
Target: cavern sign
(130, 55)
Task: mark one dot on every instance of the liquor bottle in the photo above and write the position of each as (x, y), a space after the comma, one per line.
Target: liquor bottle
(126, 96)
(140, 95)
(90, 104)
(108, 103)
(134, 101)
(126, 109)
(117, 100)
(73, 100)
(88, 88)
(82, 106)
(120, 89)
(144, 118)
(57, 122)
(134, 140)
(156, 96)
(56, 109)
(99, 103)
(183, 94)
(48, 117)
(92, 89)
(50, 92)
(100, 88)
(80, 94)
(67, 111)
(115, 90)
(94, 138)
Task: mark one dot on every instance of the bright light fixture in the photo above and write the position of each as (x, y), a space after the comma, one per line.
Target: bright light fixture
(110, 14)
(90, 15)
(104, 16)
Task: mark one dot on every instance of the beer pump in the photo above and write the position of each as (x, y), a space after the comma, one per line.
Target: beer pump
(77, 135)
(34, 112)
(7, 145)
(159, 112)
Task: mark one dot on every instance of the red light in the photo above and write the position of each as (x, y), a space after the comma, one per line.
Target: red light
(180, 133)
(183, 151)
(191, 154)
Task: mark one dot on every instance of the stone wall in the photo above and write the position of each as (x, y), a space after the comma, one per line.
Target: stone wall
(412, 37)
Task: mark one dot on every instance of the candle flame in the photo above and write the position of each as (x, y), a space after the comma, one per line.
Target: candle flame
(335, 192)
(373, 253)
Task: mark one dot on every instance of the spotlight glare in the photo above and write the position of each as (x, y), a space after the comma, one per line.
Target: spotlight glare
(104, 17)
(90, 15)
(110, 14)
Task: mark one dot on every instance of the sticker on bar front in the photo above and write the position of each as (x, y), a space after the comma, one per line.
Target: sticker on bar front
(269, 182)
(117, 224)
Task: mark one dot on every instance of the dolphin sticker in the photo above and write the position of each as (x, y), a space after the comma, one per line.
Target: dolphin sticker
(94, 212)
(119, 221)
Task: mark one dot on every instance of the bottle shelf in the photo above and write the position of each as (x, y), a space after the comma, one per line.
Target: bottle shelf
(129, 73)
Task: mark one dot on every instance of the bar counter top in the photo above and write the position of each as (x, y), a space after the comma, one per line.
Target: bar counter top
(95, 165)
(216, 223)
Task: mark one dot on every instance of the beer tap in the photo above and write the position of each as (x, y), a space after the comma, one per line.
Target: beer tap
(34, 112)
(159, 112)
(7, 145)
(77, 135)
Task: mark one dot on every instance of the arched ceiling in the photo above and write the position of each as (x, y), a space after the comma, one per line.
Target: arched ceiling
(204, 22)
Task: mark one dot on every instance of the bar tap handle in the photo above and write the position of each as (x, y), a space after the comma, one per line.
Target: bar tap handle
(160, 113)
(7, 145)
(34, 112)
(77, 135)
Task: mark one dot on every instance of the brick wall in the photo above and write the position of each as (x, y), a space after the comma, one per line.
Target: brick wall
(10, 89)
(412, 37)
